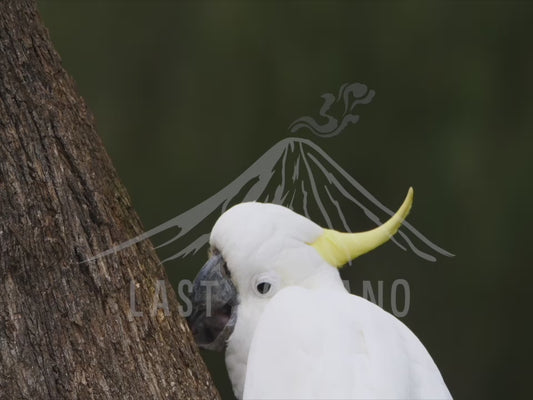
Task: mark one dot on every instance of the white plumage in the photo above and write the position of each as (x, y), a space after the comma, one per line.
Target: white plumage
(328, 344)
(303, 335)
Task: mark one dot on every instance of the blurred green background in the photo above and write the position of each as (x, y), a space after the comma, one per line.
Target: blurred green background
(187, 95)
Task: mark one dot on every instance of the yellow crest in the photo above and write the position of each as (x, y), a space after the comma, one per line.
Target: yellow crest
(338, 248)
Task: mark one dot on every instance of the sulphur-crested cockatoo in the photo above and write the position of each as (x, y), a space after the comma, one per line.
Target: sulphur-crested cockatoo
(272, 297)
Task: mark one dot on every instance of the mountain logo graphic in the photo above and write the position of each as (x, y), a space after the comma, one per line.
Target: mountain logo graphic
(298, 174)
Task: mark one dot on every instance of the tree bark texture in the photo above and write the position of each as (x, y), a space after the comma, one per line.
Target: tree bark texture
(66, 327)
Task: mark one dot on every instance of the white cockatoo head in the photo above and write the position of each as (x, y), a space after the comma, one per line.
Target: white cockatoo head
(270, 244)
(257, 249)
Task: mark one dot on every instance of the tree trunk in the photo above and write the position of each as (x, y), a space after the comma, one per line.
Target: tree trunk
(66, 327)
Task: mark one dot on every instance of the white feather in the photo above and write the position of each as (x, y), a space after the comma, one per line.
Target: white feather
(328, 344)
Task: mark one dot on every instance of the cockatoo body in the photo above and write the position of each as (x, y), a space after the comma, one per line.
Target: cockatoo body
(289, 327)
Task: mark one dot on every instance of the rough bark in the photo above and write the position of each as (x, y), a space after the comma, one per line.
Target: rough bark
(66, 328)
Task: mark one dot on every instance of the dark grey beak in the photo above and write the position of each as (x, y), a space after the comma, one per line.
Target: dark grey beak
(214, 303)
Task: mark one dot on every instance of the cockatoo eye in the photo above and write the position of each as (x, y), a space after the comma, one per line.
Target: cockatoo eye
(265, 285)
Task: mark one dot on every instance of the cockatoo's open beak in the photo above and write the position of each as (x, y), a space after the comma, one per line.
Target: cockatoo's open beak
(214, 300)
